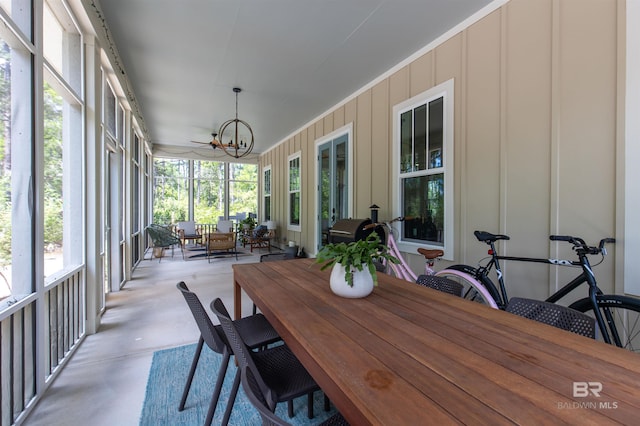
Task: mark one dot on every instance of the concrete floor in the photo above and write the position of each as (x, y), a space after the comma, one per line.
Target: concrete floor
(104, 382)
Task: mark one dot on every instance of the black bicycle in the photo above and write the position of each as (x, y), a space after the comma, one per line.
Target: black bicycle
(618, 317)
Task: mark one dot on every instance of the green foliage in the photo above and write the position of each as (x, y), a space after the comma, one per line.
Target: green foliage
(356, 255)
(171, 190)
(53, 224)
(5, 234)
(53, 154)
(249, 221)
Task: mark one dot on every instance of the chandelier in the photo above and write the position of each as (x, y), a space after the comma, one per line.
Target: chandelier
(232, 134)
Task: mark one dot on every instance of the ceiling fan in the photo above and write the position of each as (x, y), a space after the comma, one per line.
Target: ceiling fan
(215, 143)
(232, 131)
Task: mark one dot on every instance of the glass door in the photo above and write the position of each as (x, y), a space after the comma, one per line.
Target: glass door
(333, 185)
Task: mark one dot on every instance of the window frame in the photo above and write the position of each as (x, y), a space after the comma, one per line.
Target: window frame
(67, 83)
(446, 91)
(267, 182)
(296, 227)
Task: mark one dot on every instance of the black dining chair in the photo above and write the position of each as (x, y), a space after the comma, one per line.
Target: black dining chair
(279, 373)
(441, 284)
(257, 398)
(255, 331)
(552, 314)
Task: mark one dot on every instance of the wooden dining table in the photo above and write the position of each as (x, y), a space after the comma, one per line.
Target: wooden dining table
(409, 355)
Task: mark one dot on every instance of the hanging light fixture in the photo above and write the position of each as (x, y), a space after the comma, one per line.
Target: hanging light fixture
(232, 134)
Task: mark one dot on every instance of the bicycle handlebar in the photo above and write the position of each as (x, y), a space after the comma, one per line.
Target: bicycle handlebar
(580, 245)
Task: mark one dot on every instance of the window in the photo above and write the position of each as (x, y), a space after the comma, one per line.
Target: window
(16, 178)
(171, 191)
(424, 164)
(243, 188)
(294, 185)
(218, 188)
(266, 200)
(110, 111)
(135, 185)
(63, 139)
(208, 191)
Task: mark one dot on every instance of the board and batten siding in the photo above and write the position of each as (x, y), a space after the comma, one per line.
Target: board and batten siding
(535, 136)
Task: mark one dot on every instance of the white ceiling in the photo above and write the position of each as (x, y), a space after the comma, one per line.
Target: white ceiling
(293, 59)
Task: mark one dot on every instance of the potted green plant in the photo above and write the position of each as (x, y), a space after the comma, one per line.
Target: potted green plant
(248, 223)
(354, 264)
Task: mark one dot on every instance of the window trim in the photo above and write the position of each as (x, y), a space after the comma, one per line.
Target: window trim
(266, 194)
(291, 226)
(446, 91)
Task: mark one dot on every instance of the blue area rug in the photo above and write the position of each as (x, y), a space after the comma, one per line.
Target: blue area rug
(168, 374)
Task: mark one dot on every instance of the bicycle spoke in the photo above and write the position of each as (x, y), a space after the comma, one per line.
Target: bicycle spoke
(625, 312)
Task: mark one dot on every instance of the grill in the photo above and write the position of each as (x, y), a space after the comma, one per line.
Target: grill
(348, 230)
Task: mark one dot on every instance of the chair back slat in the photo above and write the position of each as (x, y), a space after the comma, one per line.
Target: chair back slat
(238, 346)
(440, 283)
(209, 333)
(552, 314)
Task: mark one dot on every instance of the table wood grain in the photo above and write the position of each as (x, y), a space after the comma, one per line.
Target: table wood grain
(408, 355)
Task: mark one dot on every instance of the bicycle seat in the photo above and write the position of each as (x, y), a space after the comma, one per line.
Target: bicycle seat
(489, 237)
(431, 254)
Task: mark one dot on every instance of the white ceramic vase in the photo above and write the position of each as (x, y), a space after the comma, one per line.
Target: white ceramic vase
(362, 282)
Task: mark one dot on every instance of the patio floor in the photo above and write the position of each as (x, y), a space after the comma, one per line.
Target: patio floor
(104, 382)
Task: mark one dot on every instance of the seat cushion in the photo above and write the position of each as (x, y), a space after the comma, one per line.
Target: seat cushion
(189, 227)
(260, 231)
(224, 226)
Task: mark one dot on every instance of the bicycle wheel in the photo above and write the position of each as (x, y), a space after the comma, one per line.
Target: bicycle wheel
(625, 312)
(484, 280)
(472, 289)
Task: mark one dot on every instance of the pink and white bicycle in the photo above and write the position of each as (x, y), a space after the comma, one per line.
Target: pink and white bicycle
(472, 289)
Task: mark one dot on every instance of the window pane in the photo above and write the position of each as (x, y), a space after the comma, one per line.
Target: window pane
(243, 188)
(110, 112)
(5, 170)
(294, 191)
(267, 181)
(424, 202)
(267, 207)
(208, 191)
(267, 194)
(406, 138)
(294, 174)
(294, 208)
(420, 138)
(171, 196)
(62, 42)
(135, 198)
(7, 152)
(53, 182)
(20, 14)
(436, 133)
(325, 188)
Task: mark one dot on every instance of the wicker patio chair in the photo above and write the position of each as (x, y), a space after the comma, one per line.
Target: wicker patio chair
(552, 314)
(163, 237)
(256, 397)
(258, 238)
(279, 372)
(217, 242)
(255, 331)
(189, 231)
(440, 283)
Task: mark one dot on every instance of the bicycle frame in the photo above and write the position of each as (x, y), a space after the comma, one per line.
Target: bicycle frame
(586, 276)
(402, 269)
